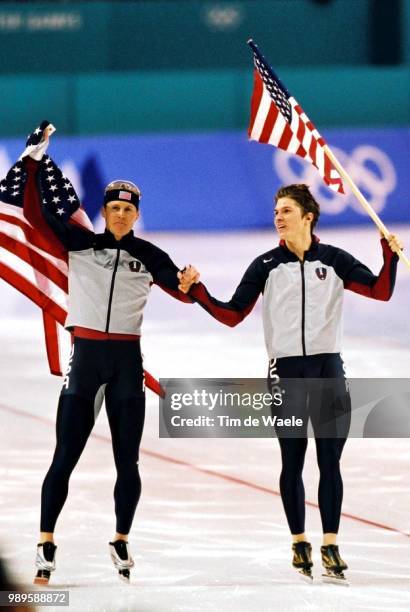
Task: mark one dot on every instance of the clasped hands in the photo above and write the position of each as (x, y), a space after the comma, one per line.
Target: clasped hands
(187, 277)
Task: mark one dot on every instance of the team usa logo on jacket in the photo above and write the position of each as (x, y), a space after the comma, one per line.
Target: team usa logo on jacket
(135, 266)
(321, 273)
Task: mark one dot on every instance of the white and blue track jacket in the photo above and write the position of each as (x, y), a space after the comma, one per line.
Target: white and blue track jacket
(302, 300)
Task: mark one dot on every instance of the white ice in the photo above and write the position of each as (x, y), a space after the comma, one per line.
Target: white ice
(201, 540)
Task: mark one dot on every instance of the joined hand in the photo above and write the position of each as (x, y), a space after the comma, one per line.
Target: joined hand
(187, 277)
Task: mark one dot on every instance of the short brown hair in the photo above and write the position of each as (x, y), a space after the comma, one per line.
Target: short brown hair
(303, 198)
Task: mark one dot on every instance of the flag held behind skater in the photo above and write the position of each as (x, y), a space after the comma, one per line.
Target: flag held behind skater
(32, 264)
(58, 194)
(278, 119)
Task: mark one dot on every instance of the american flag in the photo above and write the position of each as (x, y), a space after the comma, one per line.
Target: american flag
(32, 259)
(277, 119)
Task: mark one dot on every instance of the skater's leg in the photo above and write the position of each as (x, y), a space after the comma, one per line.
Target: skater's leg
(125, 404)
(292, 490)
(126, 418)
(293, 444)
(329, 538)
(283, 377)
(330, 504)
(331, 422)
(121, 536)
(299, 537)
(75, 420)
(330, 410)
(330, 493)
(46, 536)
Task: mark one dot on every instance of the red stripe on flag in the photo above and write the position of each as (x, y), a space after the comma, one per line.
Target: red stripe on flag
(256, 99)
(81, 219)
(153, 384)
(300, 131)
(34, 237)
(328, 167)
(269, 124)
(37, 261)
(312, 150)
(52, 344)
(285, 138)
(33, 208)
(332, 181)
(301, 151)
(33, 293)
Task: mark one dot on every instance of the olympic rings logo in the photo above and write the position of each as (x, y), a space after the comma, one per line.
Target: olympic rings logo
(370, 168)
(223, 17)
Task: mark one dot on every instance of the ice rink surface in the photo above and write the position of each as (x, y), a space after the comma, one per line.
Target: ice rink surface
(210, 532)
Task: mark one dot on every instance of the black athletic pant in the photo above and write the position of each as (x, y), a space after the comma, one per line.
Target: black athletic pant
(117, 365)
(327, 404)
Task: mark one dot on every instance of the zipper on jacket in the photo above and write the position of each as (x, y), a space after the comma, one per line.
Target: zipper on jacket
(112, 290)
(302, 271)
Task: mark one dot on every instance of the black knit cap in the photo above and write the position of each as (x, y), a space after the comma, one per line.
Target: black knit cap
(123, 191)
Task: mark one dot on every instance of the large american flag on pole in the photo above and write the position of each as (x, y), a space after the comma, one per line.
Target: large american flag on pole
(278, 119)
(32, 259)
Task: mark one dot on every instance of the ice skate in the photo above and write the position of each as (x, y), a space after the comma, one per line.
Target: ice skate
(302, 559)
(45, 562)
(121, 558)
(333, 564)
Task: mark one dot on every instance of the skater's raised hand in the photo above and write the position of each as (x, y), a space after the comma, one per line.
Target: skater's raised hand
(37, 141)
(395, 243)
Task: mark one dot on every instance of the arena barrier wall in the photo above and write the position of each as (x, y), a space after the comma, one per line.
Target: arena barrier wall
(221, 181)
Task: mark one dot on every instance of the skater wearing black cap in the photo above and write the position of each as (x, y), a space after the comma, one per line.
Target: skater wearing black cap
(110, 277)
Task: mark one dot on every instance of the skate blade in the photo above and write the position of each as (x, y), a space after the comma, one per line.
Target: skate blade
(124, 576)
(306, 576)
(335, 579)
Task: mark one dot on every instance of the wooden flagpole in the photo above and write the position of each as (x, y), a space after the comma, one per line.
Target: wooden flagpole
(360, 197)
